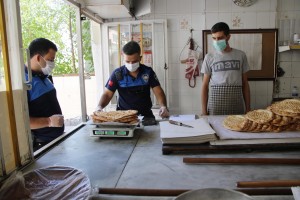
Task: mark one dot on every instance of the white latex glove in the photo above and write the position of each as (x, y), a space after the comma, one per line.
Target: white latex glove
(56, 121)
(99, 108)
(164, 112)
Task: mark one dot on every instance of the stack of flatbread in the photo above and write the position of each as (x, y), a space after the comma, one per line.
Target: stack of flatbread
(280, 116)
(121, 116)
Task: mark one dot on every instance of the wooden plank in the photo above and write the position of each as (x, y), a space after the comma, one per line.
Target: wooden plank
(269, 183)
(242, 161)
(207, 148)
(176, 192)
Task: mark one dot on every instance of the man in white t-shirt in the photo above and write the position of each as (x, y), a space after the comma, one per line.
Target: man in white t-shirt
(225, 88)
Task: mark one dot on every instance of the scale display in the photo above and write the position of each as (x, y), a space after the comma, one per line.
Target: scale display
(110, 133)
(113, 130)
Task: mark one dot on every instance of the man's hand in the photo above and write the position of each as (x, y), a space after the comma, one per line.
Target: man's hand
(99, 108)
(164, 112)
(56, 121)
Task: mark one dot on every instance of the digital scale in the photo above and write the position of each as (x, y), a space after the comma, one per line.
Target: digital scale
(113, 130)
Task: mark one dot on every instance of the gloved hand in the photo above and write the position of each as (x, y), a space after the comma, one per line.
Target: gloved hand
(164, 112)
(56, 121)
(99, 108)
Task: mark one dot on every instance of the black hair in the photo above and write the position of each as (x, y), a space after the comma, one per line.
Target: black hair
(220, 26)
(131, 48)
(41, 46)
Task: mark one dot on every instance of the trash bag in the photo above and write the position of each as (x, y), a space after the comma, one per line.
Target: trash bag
(14, 188)
(56, 182)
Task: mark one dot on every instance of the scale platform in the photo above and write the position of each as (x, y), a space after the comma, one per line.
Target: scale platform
(113, 130)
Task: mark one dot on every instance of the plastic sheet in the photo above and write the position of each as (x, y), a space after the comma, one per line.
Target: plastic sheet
(56, 182)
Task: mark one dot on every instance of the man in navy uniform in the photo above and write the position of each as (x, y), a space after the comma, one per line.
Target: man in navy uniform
(133, 82)
(46, 120)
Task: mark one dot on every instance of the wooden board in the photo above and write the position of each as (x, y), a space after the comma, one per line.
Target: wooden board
(207, 148)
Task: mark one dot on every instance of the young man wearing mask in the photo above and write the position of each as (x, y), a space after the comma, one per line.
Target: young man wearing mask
(46, 120)
(225, 76)
(133, 81)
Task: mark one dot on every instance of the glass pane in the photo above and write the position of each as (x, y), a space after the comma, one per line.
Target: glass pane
(124, 31)
(147, 45)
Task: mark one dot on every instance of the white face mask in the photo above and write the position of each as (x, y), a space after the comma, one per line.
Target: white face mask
(132, 67)
(48, 68)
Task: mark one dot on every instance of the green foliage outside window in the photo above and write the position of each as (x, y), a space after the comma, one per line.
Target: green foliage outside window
(56, 21)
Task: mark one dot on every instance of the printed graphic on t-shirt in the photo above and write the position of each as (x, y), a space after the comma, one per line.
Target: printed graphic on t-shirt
(227, 65)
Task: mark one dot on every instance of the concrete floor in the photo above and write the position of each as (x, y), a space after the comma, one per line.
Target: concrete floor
(138, 163)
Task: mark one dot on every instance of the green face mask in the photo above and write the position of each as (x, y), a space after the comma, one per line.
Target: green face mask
(219, 45)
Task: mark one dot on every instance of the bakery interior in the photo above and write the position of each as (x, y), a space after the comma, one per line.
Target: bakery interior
(142, 166)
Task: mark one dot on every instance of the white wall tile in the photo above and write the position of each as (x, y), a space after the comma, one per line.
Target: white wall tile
(284, 85)
(198, 6)
(160, 16)
(173, 39)
(273, 5)
(210, 20)
(185, 103)
(212, 6)
(173, 22)
(174, 87)
(287, 67)
(185, 22)
(263, 20)
(225, 5)
(296, 55)
(297, 5)
(252, 85)
(174, 55)
(225, 17)
(295, 82)
(296, 69)
(270, 88)
(249, 20)
(174, 71)
(285, 56)
(185, 6)
(287, 5)
(183, 38)
(261, 88)
(174, 102)
(173, 6)
(160, 6)
(263, 5)
(198, 21)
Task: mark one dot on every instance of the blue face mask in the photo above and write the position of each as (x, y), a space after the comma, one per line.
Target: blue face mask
(219, 45)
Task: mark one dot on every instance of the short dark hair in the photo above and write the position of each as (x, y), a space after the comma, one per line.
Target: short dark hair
(220, 26)
(41, 46)
(131, 48)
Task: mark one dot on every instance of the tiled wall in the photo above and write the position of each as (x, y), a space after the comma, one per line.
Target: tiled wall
(289, 61)
(202, 14)
(199, 15)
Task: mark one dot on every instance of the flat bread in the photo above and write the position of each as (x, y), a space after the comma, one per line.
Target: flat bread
(235, 122)
(260, 116)
(114, 115)
(122, 116)
(288, 107)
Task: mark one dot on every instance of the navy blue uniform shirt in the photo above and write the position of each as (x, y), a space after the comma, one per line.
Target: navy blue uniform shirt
(42, 102)
(134, 93)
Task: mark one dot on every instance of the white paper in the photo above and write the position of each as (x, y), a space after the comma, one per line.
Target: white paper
(200, 127)
(296, 192)
(182, 118)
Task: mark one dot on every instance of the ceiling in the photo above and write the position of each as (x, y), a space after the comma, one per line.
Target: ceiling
(112, 9)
